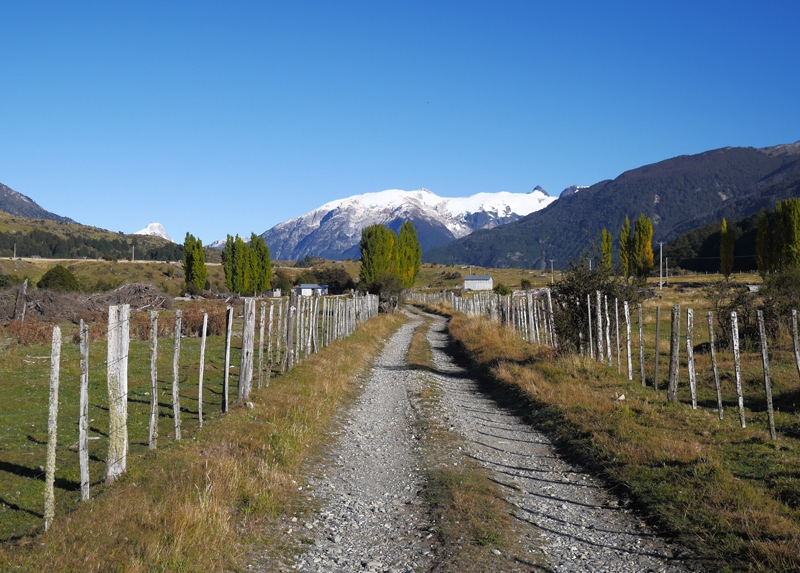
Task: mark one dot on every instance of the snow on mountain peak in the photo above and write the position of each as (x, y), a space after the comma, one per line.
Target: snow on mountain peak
(334, 229)
(155, 230)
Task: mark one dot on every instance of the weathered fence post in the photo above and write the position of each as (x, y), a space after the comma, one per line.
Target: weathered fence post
(674, 351)
(551, 319)
(599, 320)
(227, 375)
(153, 379)
(83, 415)
(290, 326)
(202, 370)
(767, 385)
(608, 333)
(641, 346)
(714, 361)
(690, 356)
(117, 381)
(269, 341)
(52, 430)
(21, 302)
(176, 398)
(261, 320)
(589, 314)
(658, 340)
(628, 338)
(737, 368)
(248, 341)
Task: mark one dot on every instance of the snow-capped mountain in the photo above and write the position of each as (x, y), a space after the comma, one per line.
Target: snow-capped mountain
(155, 230)
(333, 231)
(571, 190)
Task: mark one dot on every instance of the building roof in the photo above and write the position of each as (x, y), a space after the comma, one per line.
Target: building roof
(478, 278)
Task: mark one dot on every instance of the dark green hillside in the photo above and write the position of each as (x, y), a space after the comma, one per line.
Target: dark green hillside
(678, 194)
(698, 250)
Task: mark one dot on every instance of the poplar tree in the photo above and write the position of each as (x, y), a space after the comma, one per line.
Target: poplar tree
(764, 251)
(408, 259)
(643, 246)
(726, 250)
(625, 246)
(787, 233)
(262, 263)
(606, 249)
(194, 264)
(377, 253)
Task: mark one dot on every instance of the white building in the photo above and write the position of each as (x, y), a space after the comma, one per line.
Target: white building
(310, 289)
(478, 283)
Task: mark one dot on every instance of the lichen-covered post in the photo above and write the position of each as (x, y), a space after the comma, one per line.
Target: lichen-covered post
(52, 430)
(589, 315)
(248, 341)
(117, 381)
(202, 369)
(83, 415)
(269, 341)
(674, 354)
(290, 326)
(767, 385)
(658, 352)
(610, 358)
(641, 345)
(616, 326)
(737, 366)
(628, 338)
(796, 341)
(714, 361)
(153, 379)
(599, 321)
(690, 356)
(226, 375)
(176, 355)
(551, 319)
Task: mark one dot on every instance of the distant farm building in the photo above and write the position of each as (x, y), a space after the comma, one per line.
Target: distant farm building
(478, 283)
(310, 289)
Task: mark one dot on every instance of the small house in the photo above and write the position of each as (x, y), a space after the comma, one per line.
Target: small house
(310, 289)
(478, 283)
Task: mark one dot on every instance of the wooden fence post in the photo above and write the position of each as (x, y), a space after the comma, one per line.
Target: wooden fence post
(641, 346)
(269, 341)
(767, 385)
(261, 320)
(714, 361)
(117, 381)
(202, 370)
(589, 314)
(21, 303)
(599, 321)
(153, 379)
(551, 320)
(737, 367)
(52, 430)
(176, 398)
(248, 342)
(83, 414)
(290, 326)
(227, 374)
(628, 339)
(608, 333)
(690, 356)
(658, 340)
(674, 351)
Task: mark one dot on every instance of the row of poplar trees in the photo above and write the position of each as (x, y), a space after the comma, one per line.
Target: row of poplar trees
(247, 266)
(778, 238)
(635, 248)
(195, 272)
(386, 257)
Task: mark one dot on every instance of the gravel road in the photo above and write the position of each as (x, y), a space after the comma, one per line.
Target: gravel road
(371, 516)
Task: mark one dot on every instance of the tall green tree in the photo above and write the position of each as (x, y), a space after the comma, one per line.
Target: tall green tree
(377, 253)
(262, 263)
(194, 264)
(726, 250)
(625, 247)
(643, 246)
(787, 233)
(606, 249)
(408, 259)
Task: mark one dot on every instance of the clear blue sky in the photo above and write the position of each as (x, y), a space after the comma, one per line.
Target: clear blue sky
(230, 117)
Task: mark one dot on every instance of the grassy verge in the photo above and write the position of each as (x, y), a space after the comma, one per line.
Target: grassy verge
(729, 494)
(471, 515)
(204, 502)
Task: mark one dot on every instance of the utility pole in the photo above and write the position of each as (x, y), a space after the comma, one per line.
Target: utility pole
(660, 264)
(552, 273)
(133, 253)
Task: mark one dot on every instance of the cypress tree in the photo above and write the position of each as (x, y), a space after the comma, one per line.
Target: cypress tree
(262, 263)
(409, 255)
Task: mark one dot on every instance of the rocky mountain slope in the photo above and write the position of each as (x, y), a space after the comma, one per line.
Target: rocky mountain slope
(17, 204)
(333, 231)
(679, 195)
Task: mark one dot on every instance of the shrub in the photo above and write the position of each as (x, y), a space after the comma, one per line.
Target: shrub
(60, 279)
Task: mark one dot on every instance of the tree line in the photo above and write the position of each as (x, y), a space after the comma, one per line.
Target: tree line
(38, 243)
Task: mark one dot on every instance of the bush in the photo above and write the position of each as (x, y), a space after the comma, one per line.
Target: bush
(726, 298)
(59, 279)
(502, 289)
